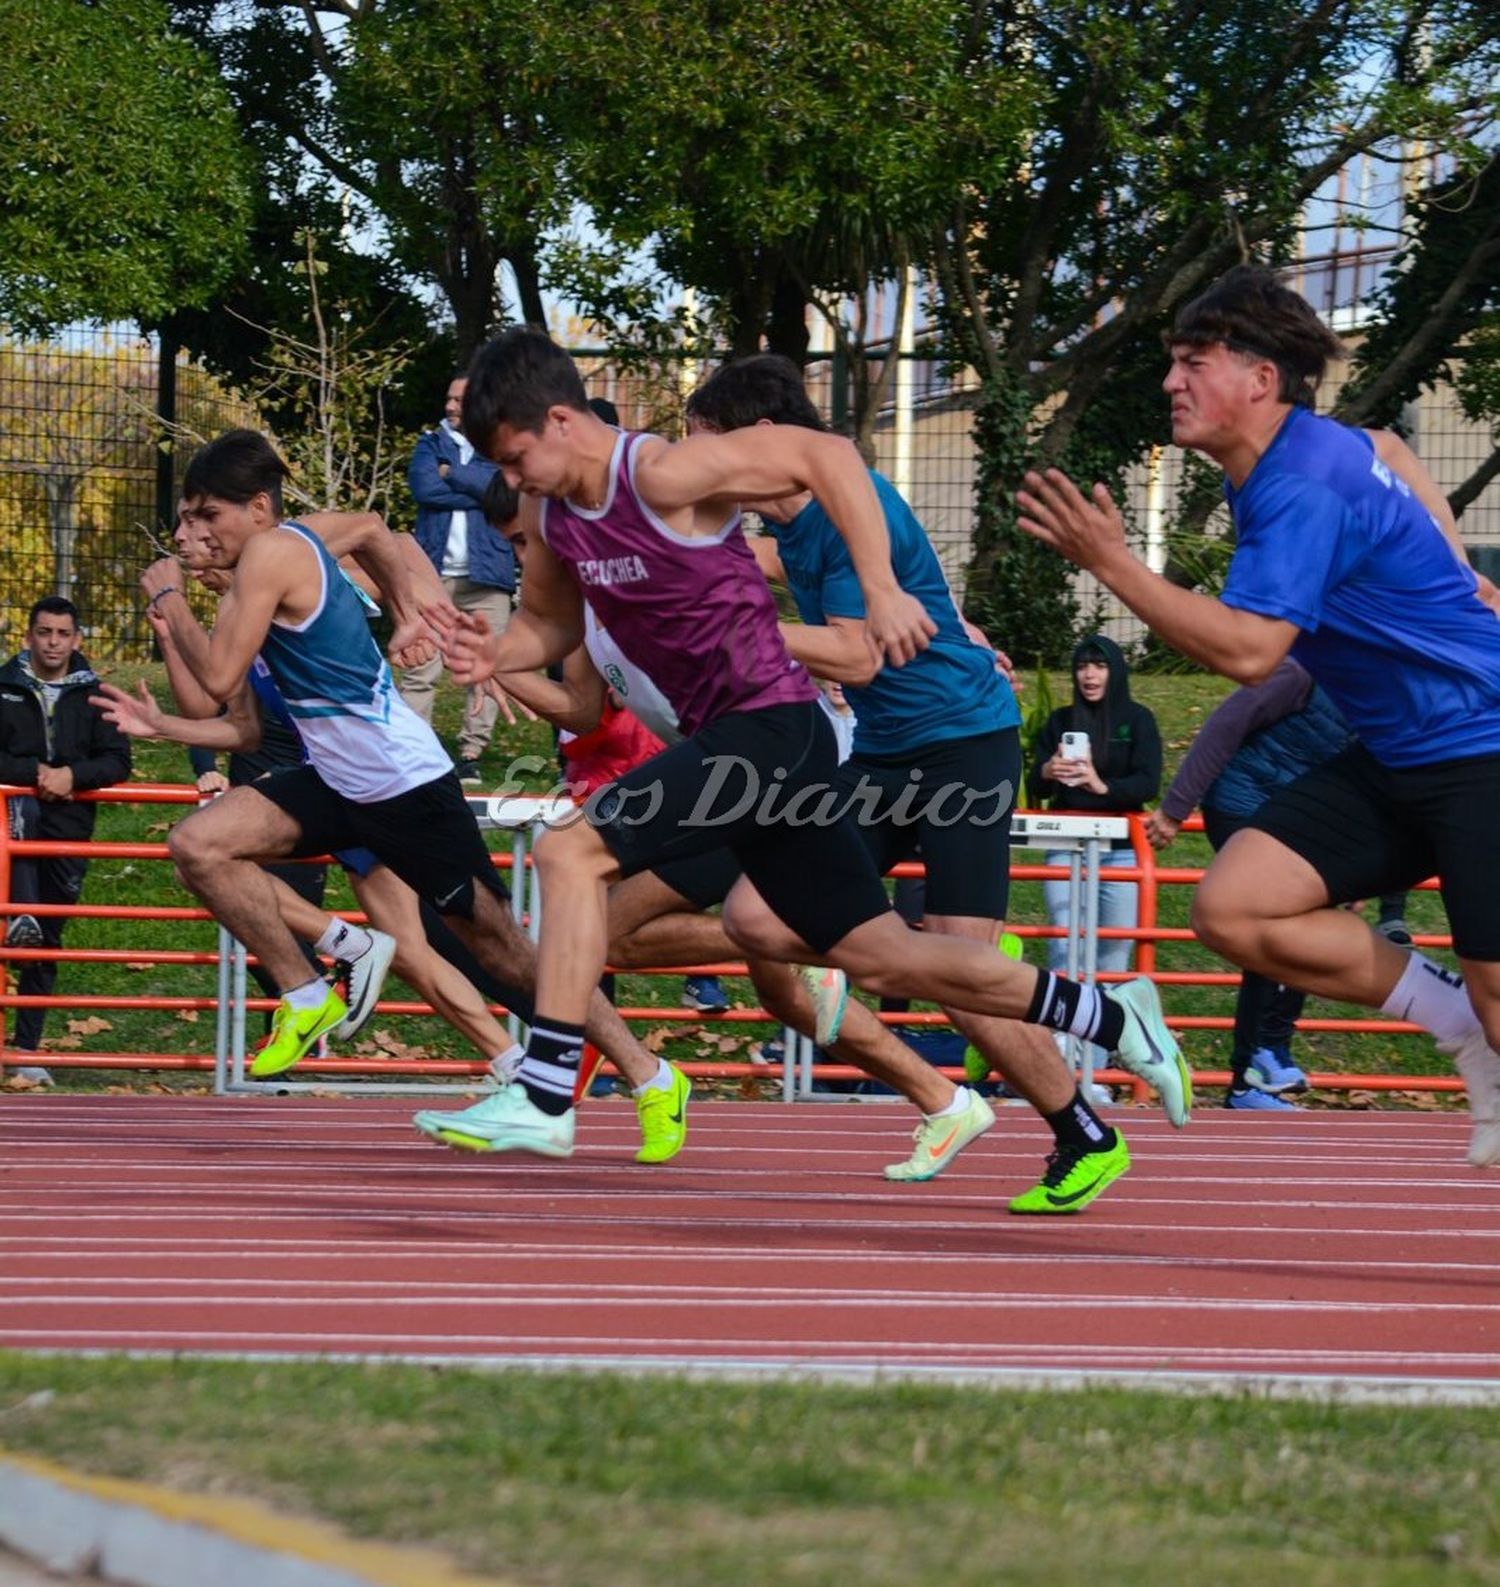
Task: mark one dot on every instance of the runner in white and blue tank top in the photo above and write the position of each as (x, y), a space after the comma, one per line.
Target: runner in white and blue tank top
(362, 737)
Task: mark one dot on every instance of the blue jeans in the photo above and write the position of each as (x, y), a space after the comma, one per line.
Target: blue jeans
(1118, 906)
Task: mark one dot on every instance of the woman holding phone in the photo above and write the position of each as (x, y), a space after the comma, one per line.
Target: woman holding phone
(1102, 752)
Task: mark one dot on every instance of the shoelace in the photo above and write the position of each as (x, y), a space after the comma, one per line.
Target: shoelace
(1061, 1161)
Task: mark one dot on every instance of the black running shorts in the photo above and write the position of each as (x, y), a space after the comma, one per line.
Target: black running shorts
(428, 835)
(1369, 829)
(761, 784)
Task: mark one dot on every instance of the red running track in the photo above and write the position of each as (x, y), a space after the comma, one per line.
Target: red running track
(1352, 1248)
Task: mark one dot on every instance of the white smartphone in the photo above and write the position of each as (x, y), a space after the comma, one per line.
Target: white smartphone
(1074, 746)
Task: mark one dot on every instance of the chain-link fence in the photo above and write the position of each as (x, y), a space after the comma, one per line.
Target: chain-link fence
(88, 474)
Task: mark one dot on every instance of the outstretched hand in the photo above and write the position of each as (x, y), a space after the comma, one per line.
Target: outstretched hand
(508, 703)
(899, 625)
(135, 716)
(1087, 530)
(467, 643)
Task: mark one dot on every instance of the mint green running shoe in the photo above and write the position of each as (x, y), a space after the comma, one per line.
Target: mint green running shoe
(1074, 1178)
(663, 1116)
(505, 1121)
(1148, 1049)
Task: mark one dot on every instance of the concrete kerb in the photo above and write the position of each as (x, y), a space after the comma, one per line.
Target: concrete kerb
(130, 1533)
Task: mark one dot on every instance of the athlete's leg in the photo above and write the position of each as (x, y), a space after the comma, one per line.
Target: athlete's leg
(394, 908)
(1025, 1054)
(217, 852)
(1265, 908)
(651, 923)
(862, 1039)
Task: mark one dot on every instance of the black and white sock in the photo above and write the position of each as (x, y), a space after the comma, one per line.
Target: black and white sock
(1080, 1010)
(549, 1070)
(1079, 1127)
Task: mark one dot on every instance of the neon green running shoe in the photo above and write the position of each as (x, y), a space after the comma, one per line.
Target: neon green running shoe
(663, 1116)
(1074, 1178)
(293, 1034)
(941, 1138)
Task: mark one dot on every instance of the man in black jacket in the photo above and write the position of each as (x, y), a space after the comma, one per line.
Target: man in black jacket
(52, 739)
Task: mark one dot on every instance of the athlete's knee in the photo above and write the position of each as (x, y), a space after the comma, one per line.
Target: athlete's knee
(193, 845)
(574, 850)
(1219, 919)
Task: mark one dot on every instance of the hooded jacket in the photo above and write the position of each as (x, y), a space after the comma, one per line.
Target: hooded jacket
(76, 735)
(1123, 736)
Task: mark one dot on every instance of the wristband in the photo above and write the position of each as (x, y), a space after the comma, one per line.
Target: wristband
(171, 589)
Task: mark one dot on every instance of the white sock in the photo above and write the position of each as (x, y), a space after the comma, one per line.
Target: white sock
(1433, 998)
(308, 996)
(660, 1081)
(344, 941)
(505, 1066)
(957, 1105)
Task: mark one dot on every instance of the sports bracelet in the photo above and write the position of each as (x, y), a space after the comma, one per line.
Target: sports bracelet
(171, 589)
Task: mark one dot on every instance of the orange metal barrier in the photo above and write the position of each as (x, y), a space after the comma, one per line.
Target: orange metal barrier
(1147, 934)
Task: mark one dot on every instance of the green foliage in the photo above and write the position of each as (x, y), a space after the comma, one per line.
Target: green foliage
(1037, 704)
(118, 200)
(1168, 144)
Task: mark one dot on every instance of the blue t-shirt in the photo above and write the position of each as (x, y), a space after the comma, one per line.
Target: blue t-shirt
(1392, 625)
(951, 689)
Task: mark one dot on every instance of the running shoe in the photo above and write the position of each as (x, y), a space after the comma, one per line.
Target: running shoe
(504, 1067)
(1248, 1100)
(1271, 1070)
(1148, 1049)
(940, 1139)
(294, 1034)
(704, 993)
(362, 979)
(505, 1121)
(829, 990)
(24, 931)
(1396, 931)
(1479, 1065)
(1073, 1178)
(33, 1075)
(663, 1116)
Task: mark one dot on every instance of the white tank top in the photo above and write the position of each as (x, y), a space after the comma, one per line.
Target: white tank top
(649, 705)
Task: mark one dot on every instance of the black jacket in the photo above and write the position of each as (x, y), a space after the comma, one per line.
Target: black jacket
(77, 736)
(1124, 738)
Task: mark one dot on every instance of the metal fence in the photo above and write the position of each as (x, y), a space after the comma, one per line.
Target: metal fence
(88, 473)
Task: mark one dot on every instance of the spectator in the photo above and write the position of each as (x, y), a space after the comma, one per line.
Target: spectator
(51, 739)
(1260, 737)
(475, 562)
(1118, 770)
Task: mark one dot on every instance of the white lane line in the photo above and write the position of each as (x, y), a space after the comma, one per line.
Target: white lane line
(605, 1297)
(322, 1344)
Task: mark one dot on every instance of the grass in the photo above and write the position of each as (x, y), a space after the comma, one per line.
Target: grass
(620, 1482)
(1179, 701)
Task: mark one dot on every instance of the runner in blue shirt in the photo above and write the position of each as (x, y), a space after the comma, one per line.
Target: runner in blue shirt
(1343, 561)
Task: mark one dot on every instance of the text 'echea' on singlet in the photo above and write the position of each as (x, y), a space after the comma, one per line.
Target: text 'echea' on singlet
(694, 613)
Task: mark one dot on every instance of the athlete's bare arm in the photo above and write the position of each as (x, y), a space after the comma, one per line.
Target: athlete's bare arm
(707, 474)
(545, 628)
(139, 716)
(768, 555)
(406, 587)
(1090, 532)
(191, 697)
(574, 704)
(840, 649)
(277, 573)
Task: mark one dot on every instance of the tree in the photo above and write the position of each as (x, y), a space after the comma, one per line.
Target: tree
(1171, 141)
(115, 202)
(1438, 316)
